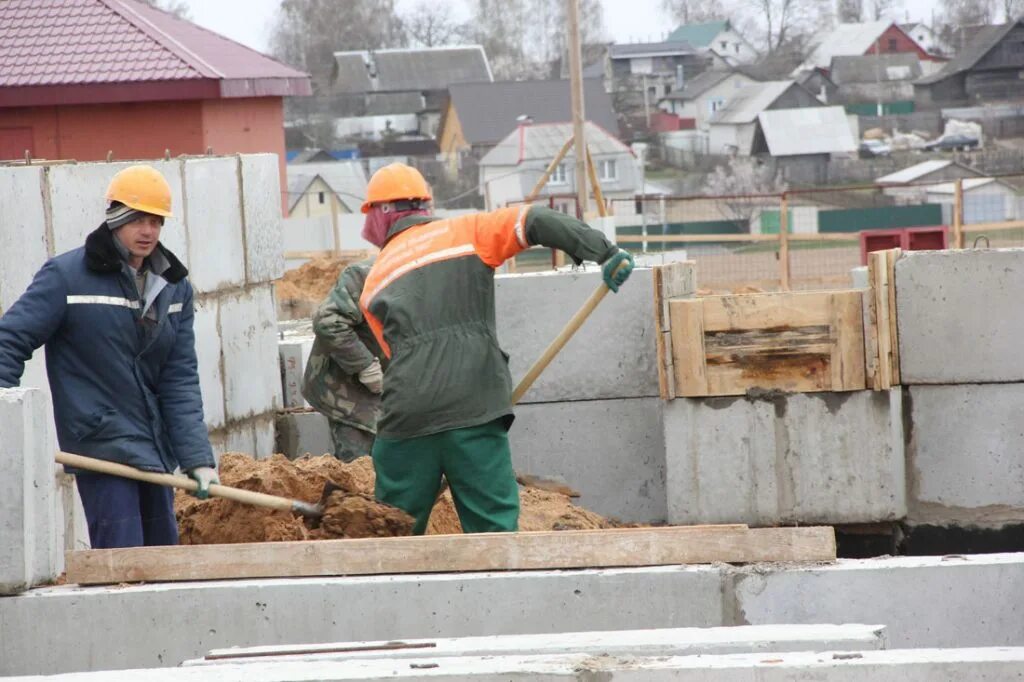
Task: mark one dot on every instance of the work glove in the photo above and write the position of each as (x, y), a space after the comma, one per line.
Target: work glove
(204, 476)
(616, 279)
(373, 377)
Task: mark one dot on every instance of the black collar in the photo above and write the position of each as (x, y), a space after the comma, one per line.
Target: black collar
(405, 223)
(101, 256)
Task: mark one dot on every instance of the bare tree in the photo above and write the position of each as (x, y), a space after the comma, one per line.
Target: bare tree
(501, 26)
(178, 8)
(548, 44)
(1012, 10)
(850, 11)
(734, 183)
(960, 13)
(307, 33)
(695, 11)
(880, 9)
(785, 24)
(430, 24)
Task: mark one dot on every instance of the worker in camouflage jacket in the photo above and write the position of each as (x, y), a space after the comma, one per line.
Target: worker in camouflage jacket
(344, 374)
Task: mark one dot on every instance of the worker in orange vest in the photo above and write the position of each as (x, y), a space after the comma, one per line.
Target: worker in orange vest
(429, 300)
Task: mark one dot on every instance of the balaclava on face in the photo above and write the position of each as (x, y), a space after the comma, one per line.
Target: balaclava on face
(377, 224)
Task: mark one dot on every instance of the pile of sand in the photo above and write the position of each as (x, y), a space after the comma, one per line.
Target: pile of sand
(313, 280)
(350, 513)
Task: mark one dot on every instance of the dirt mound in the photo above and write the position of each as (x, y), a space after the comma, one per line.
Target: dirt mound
(350, 513)
(314, 280)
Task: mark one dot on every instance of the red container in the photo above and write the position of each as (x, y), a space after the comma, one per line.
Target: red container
(907, 238)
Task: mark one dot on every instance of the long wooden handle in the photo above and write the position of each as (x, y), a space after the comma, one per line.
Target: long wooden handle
(563, 338)
(172, 481)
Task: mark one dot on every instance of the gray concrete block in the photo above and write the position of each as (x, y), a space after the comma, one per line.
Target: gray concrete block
(206, 326)
(261, 192)
(964, 456)
(241, 438)
(960, 316)
(216, 242)
(611, 451)
(859, 277)
(142, 625)
(294, 353)
(955, 601)
(23, 242)
(264, 434)
(31, 522)
(303, 433)
(797, 458)
(78, 207)
(252, 376)
(611, 356)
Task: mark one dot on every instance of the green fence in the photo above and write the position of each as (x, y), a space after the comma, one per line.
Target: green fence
(883, 218)
(888, 108)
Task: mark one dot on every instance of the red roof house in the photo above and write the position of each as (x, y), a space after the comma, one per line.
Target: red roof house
(79, 78)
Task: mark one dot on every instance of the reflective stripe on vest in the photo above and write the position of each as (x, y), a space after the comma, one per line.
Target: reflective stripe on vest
(103, 300)
(174, 308)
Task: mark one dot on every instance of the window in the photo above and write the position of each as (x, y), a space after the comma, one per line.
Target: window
(566, 206)
(715, 104)
(607, 170)
(892, 45)
(321, 197)
(558, 176)
(641, 65)
(724, 44)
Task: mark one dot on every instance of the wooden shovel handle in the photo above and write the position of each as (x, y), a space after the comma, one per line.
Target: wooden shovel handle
(172, 481)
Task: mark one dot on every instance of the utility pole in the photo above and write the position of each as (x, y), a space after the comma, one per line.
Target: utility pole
(578, 117)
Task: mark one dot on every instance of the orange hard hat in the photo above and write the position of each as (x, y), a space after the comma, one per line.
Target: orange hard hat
(393, 182)
(142, 188)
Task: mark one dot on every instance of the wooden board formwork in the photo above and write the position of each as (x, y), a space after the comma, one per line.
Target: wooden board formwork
(671, 281)
(791, 342)
(454, 553)
(881, 332)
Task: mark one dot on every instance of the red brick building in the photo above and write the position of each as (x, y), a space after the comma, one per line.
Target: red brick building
(81, 78)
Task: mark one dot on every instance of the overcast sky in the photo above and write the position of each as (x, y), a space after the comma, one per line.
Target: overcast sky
(249, 21)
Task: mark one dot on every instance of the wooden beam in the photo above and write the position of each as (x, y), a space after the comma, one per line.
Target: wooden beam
(671, 281)
(454, 553)
(532, 196)
(784, 271)
(958, 214)
(602, 208)
(698, 238)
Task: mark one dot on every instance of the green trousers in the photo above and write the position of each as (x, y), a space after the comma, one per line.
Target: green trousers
(349, 442)
(477, 462)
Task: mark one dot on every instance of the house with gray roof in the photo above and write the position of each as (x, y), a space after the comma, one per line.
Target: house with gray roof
(733, 127)
(479, 115)
(718, 37)
(703, 96)
(317, 188)
(511, 169)
(882, 78)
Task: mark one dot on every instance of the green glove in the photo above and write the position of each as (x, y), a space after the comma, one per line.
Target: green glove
(616, 279)
(204, 476)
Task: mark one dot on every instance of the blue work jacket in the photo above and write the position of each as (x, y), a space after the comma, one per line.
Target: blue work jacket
(125, 386)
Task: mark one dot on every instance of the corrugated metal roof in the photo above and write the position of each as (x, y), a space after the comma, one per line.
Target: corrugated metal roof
(981, 43)
(702, 83)
(635, 50)
(885, 68)
(786, 131)
(346, 178)
(488, 111)
(543, 142)
(409, 69)
(749, 101)
(845, 40)
(88, 42)
(911, 173)
(699, 35)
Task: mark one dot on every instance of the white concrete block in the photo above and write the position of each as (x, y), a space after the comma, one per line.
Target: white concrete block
(252, 376)
(960, 316)
(23, 238)
(261, 211)
(216, 243)
(302, 433)
(294, 353)
(611, 356)
(76, 528)
(953, 601)
(264, 435)
(31, 530)
(78, 205)
(965, 461)
(240, 438)
(142, 625)
(798, 458)
(206, 326)
(611, 451)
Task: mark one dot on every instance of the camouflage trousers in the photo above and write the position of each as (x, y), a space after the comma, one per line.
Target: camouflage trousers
(350, 443)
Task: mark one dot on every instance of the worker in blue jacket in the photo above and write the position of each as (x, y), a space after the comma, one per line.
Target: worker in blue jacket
(116, 317)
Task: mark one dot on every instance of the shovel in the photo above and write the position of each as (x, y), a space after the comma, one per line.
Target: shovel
(313, 511)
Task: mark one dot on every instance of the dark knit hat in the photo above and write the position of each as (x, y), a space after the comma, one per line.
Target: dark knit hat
(118, 214)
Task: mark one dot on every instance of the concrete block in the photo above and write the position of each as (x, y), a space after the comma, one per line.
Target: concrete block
(206, 326)
(964, 454)
(294, 353)
(960, 316)
(252, 377)
(664, 642)
(611, 356)
(23, 239)
(31, 528)
(611, 451)
(140, 626)
(264, 437)
(240, 438)
(261, 212)
(76, 529)
(859, 277)
(76, 193)
(214, 213)
(954, 601)
(302, 433)
(797, 458)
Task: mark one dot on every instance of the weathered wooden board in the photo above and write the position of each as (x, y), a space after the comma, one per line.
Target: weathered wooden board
(671, 281)
(454, 553)
(793, 342)
(883, 332)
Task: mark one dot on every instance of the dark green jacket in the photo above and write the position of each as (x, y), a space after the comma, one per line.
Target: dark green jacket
(429, 300)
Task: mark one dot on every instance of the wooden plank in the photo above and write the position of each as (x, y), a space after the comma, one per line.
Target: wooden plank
(687, 320)
(847, 328)
(798, 374)
(894, 335)
(662, 340)
(766, 311)
(697, 238)
(871, 367)
(878, 277)
(454, 553)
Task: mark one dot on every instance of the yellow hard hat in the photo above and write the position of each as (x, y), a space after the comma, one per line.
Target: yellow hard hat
(142, 188)
(393, 182)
